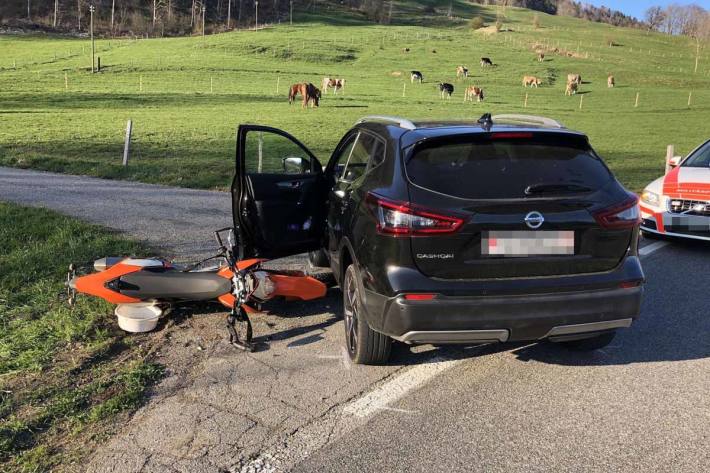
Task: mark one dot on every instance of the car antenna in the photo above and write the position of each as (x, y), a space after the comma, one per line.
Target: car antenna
(486, 121)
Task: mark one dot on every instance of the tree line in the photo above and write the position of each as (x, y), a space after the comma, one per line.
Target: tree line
(689, 20)
(182, 17)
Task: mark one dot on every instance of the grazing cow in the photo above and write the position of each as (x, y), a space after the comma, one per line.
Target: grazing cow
(571, 88)
(405, 50)
(310, 93)
(576, 78)
(540, 57)
(335, 84)
(486, 61)
(417, 76)
(610, 81)
(531, 81)
(461, 71)
(472, 92)
(396, 73)
(446, 89)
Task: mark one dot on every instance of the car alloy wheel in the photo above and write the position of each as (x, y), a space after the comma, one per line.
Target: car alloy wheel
(351, 306)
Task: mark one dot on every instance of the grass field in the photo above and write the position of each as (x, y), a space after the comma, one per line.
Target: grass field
(195, 91)
(65, 373)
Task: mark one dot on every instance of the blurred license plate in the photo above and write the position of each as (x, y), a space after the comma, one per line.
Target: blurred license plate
(527, 243)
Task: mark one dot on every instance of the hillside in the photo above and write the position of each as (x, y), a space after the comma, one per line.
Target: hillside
(187, 95)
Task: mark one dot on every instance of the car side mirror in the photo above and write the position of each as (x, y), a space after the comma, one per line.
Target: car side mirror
(674, 161)
(296, 165)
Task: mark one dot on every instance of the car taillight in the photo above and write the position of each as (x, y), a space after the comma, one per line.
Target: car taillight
(404, 219)
(624, 215)
(419, 297)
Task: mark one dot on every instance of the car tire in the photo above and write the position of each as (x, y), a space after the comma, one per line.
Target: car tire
(364, 345)
(318, 259)
(589, 344)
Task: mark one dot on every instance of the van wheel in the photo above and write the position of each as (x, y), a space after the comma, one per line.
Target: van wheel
(589, 344)
(365, 346)
(318, 259)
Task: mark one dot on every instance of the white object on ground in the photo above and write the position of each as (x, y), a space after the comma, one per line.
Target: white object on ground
(138, 317)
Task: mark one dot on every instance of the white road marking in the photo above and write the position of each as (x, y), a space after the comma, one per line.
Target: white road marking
(398, 387)
(647, 250)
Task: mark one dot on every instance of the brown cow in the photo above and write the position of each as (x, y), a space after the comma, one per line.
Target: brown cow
(531, 81)
(310, 93)
(571, 88)
(576, 78)
(472, 92)
(461, 71)
(610, 81)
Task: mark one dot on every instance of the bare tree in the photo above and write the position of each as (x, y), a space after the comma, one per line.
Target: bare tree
(655, 17)
(29, 17)
(56, 11)
(78, 12)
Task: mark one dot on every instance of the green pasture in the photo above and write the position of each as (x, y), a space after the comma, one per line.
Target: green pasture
(65, 373)
(186, 96)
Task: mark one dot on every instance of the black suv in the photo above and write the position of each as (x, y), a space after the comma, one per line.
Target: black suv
(510, 228)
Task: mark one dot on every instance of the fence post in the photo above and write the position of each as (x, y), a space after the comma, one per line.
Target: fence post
(670, 151)
(66, 82)
(525, 105)
(278, 81)
(260, 152)
(404, 90)
(127, 144)
(690, 95)
(636, 104)
(581, 100)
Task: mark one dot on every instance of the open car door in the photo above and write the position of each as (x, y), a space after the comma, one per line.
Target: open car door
(278, 198)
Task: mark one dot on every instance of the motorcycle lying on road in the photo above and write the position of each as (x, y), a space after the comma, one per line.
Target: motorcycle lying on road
(242, 286)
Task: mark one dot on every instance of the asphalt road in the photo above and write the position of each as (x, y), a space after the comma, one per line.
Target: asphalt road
(643, 403)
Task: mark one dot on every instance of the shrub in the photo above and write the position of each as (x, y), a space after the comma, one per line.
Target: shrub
(476, 22)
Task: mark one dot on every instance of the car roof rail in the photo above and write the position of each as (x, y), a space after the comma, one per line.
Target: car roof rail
(517, 119)
(400, 122)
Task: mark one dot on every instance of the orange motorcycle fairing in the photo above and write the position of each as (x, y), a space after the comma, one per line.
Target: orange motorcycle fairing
(95, 283)
(304, 288)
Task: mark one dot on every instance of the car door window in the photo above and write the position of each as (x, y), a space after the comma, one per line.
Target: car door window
(342, 159)
(271, 153)
(360, 156)
(377, 155)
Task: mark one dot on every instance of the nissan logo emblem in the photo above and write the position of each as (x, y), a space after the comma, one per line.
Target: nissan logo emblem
(534, 220)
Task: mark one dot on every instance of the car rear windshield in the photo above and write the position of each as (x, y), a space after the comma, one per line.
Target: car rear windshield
(507, 166)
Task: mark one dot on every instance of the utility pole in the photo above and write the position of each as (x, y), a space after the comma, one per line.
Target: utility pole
(93, 49)
(204, 9)
(229, 14)
(256, 9)
(291, 5)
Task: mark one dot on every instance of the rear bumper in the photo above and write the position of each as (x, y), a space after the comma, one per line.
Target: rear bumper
(448, 319)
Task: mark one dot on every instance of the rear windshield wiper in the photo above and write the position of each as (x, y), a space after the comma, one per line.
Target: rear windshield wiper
(555, 188)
